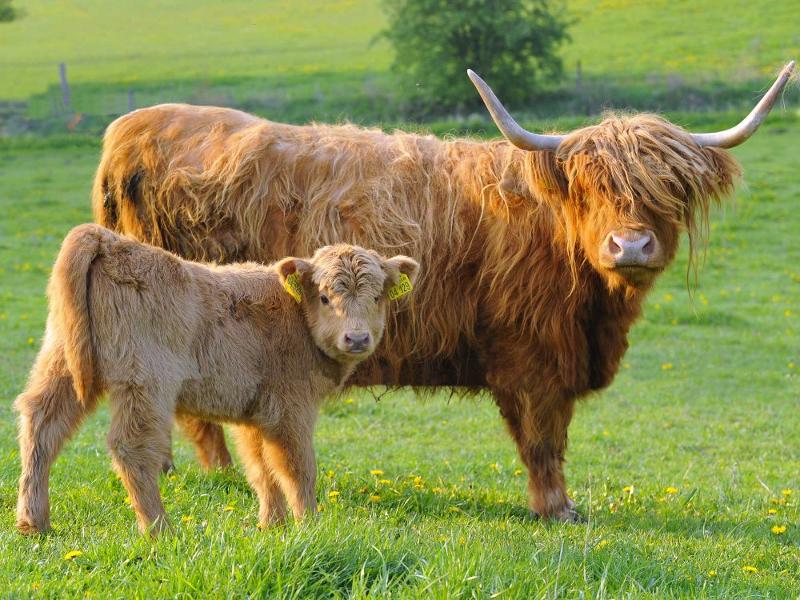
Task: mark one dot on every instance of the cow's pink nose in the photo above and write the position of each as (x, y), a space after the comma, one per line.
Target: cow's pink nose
(629, 248)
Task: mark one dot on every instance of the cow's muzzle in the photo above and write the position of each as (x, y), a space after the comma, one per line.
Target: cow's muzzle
(631, 250)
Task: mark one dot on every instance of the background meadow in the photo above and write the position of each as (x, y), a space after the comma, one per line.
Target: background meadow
(686, 468)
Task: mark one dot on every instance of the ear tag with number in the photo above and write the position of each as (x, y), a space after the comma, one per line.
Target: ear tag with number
(402, 288)
(292, 285)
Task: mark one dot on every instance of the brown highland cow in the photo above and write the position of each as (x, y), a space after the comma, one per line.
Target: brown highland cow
(538, 250)
(226, 343)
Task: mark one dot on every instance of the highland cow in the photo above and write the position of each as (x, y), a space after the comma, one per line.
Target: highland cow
(256, 346)
(539, 250)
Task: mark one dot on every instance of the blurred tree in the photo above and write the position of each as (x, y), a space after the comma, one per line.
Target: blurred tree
(511, 43)
(7, 12)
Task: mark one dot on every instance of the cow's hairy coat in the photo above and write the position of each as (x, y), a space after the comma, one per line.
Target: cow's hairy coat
(226, 343)
(513, 297)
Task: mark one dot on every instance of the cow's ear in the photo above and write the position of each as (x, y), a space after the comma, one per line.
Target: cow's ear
(401, 265)
(547, 178)
(294, 273)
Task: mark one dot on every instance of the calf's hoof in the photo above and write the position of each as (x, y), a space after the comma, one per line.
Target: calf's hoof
(27, 527)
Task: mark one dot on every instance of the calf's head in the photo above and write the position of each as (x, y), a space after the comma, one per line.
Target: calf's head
(625, 189)
(345, 291)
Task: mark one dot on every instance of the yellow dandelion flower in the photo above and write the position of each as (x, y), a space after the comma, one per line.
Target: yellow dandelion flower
(778, 529)
(187, 518)
(666, 366)
(786, 492)
(494, 466)
(712, 573)
(349, 401)
(517, 472)
(375, 498)
(30, 341)
(772, 511)
(628, 489)
(376, 472)
(671, 490)
(228, 508)
(668, 298)
(749, 569)
(602, 544)
(36, 585)
(330, 474)
(72, 554)
(454, 509)
(333, 494)
(384, 481)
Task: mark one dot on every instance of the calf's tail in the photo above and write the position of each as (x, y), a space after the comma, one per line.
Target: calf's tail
(69, 301)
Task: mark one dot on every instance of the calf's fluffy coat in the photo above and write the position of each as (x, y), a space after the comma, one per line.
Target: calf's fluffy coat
(164, 335)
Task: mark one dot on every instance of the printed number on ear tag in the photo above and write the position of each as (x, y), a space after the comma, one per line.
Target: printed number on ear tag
(292, 285)
(401, 289)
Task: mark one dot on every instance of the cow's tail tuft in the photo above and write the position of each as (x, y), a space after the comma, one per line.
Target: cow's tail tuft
(69, 300)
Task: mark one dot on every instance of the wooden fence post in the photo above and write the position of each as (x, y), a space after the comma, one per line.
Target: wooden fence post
(65, 93)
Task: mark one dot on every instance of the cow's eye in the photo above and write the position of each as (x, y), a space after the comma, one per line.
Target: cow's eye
(377, 299)
(323, 298)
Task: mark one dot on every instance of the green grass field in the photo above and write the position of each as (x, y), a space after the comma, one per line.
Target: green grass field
(682, 468)
(687, 469)
(319, 60)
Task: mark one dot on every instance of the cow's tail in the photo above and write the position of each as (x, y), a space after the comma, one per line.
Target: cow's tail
(69, 299)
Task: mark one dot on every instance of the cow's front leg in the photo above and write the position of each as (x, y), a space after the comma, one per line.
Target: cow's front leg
(539, 429)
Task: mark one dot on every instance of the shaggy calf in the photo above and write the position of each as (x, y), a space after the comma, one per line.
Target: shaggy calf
(256, 346)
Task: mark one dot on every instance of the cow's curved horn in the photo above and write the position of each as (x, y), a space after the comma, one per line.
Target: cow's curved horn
(521, 138)
(738, 134)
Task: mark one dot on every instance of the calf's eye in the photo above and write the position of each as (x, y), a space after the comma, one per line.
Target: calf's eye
(323, 298)
(377, 299)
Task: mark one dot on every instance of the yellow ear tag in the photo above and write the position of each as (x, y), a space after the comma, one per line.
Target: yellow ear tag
(292, 285)
(402, 288)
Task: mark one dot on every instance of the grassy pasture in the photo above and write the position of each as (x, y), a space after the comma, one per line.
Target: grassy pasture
(317, 60)
(682, 468)
(686, 468)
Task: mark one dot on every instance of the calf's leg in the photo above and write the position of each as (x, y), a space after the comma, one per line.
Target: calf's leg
(139, 439)
(272, 505)
(49, 412)
(208, 439)
(539, 429)
(289, 450)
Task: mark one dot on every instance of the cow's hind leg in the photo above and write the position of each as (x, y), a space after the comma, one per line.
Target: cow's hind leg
(272, 505)
(139, 439)
(208, 439)
(49, 412)
(540, 432)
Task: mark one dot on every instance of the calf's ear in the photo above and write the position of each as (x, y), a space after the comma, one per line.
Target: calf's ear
(400, 264)
(292, 266)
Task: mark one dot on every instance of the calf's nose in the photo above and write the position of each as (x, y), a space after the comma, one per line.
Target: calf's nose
(356, 341)
(629, 247)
